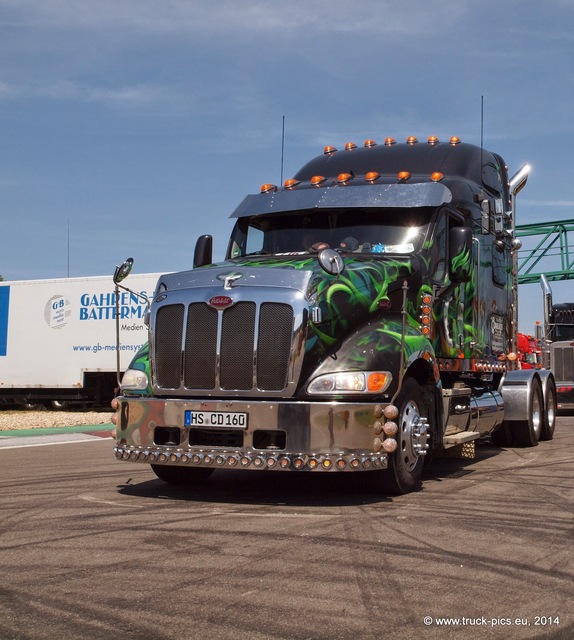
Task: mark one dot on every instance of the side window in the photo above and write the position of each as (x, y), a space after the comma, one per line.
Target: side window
(500, 266)
(245, 239)
(255, 238)
(439, 249)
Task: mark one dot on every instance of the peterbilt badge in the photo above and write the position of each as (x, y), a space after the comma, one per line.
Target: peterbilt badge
(220, 302)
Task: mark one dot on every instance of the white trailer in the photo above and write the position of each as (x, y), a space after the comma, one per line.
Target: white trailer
(58, 338)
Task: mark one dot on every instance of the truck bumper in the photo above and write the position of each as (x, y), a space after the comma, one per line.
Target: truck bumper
(256, 435)
(565, 396)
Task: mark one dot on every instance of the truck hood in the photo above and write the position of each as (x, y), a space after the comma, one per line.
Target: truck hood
(338, 305)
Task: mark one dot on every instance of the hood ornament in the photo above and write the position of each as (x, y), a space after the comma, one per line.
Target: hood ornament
(229, 279)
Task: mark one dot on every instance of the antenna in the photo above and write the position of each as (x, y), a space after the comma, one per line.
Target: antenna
(481, 121)
(481, 128)
(282, 148)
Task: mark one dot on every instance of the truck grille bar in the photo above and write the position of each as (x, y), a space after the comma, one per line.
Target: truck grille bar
(245, 347)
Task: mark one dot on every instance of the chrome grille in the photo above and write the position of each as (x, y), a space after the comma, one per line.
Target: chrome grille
(563, 365)
(237, 341)
(245, 347)
(200, 347)
(169, 329)
(274, 346)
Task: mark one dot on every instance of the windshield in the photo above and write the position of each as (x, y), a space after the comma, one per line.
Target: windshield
(397, 231)
(563, 332)
(532, 358)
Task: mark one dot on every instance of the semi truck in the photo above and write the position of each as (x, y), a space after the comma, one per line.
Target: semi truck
(58, 339)
(363, 319)
(529, 351)
(557, 338)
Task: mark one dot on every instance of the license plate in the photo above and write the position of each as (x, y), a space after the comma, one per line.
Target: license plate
(221, 419)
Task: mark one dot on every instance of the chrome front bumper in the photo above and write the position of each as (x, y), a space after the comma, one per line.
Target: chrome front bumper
(283, 436)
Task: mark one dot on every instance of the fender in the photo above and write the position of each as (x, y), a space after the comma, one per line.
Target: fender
(515, 388)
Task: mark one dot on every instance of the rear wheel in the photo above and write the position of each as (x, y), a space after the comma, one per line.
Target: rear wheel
(527, 432)
(179, 475)
(406, 463)
(549, 414)
(502, 437)
(60, 405)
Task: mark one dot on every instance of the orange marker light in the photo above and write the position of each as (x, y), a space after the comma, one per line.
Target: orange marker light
(390, 141)
(454, 140)
(350, 145)
(268, 188)
(371, 176)
(411, 140)
(433, 140)
(370, 143)
(437, 176)
(317, 180)
(376, 381)
(344, 177)
(403, 175)
(329, 149)
(291, 183)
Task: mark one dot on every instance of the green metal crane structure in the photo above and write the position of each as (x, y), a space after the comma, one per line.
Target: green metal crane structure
(545, 246)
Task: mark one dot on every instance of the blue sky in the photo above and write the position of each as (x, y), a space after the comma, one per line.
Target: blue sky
(138, 125)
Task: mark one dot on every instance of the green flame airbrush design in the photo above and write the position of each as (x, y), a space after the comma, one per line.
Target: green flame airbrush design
(461, 263)
(362, 290)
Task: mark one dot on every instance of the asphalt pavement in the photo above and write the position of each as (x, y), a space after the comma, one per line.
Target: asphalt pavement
(94, 548)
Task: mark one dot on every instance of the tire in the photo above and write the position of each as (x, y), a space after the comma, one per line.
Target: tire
(60, 405)
(179, 475)
(527, 432)
(549, 414)
(501, 436)
(34, 406)
(404, 472)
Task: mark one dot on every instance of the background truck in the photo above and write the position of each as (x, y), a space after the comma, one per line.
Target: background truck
(58, 339)
(557, 338)
(529, 351)
(364, 316)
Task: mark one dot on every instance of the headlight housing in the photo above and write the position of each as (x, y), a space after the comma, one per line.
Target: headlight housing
(135, 380)
(351, 382)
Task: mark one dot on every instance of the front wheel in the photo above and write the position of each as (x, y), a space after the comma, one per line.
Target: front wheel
(179, 475)
(406, 463)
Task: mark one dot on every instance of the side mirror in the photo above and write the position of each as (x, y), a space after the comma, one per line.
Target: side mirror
(203, 251)
(460, 254)
(123, 271)
(331, 262)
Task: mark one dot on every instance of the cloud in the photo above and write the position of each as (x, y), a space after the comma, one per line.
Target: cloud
(336, 16)
(548, 203)
(7, 91)
(66, 91)
(131, 94)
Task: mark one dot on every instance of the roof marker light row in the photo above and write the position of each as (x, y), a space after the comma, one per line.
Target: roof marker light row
(389, 142)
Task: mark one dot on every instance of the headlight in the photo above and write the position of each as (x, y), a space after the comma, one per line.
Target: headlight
(134, 379)
(351, 382)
